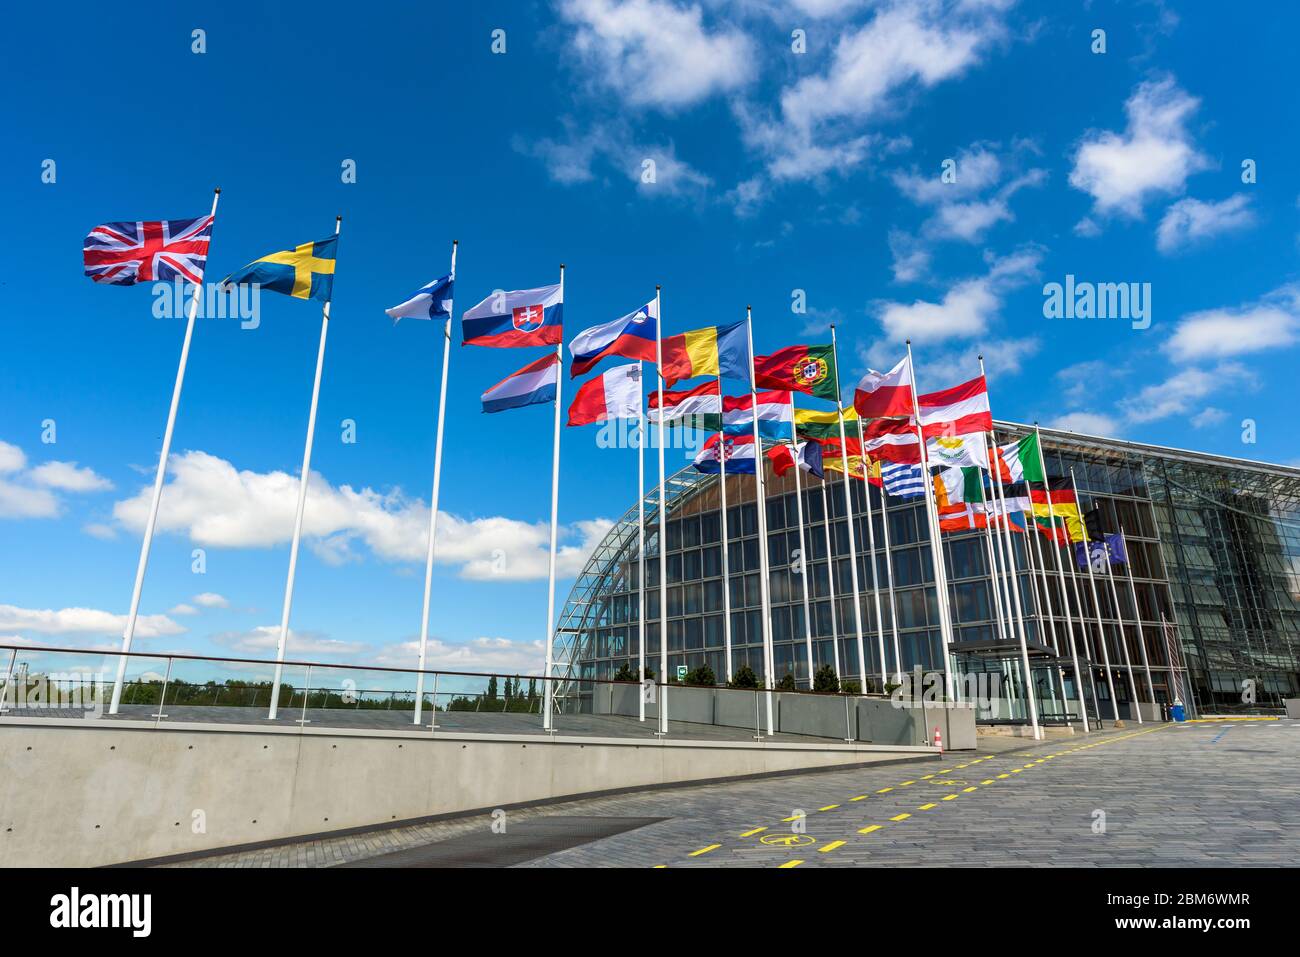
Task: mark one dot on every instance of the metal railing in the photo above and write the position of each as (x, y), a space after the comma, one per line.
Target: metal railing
(44, 682)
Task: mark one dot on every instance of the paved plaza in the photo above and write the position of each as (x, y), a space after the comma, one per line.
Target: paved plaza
(1209, 793)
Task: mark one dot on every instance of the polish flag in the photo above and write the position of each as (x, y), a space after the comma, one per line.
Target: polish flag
(891, 440)
(615, 394)
(883, 394)
(961, 410)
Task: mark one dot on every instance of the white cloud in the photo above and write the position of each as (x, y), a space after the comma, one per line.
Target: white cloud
(100, 530)
(217, 505)
(1207, 417)
(1154, 155)
(1086, 423)
(69, 477)
(12, 458)
(1271, 323)
(495, 655)
(656, 53)
(1190, 221)
(20, 501)
(965, 310)
(182, 609)
(575, 158)
(87, 621)
(210, 599)
(1179, 393)
(264, 640)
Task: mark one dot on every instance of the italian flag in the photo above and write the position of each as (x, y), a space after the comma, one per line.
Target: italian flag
(1019, 461)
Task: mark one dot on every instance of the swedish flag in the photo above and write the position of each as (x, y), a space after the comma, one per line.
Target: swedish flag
(304, 272)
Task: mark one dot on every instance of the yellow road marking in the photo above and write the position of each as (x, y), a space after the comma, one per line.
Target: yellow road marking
(950, 797)
(926, 807)
(900, 817)
(906, 784)
(1004, 775)
(659, 867)
(829, 807)
(869, 828)
(757, 830)
(884, 790)
(968, 790)
(790, 864)
(860, 797)
(926, 777)
(704, 850)
(794, 817)
(987, 781)
(830, 847)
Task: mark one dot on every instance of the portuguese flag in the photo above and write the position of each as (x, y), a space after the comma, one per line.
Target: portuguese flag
(809, 369)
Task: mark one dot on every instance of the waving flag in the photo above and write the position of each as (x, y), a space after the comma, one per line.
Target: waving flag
(714, 350)
(809, 369)
(823, 425)
(534, 384)
(884, 394)
(433, 299)
(698, 408)
(1019, 462)
(122, 254)
(902, 481)
(958, 450)
(631, 336)
(961, 410)
(522, 317)
(892, 440)
(775, 415)
(304, 272)
(737, 449)
(616, 394)
(809, 458)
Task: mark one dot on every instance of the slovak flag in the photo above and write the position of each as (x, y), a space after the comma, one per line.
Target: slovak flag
(534, 384)
(614, 395)
(882, 395)
(632, 337)
(737, 449)
(522, 317)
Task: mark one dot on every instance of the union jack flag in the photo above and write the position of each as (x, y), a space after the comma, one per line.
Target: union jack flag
(123, 254)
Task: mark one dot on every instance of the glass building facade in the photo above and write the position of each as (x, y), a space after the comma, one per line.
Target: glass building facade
(1207, 611)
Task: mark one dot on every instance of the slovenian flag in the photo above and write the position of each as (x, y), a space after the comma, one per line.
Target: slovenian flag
(632, 337)
(738, 450)
(433, 299)
(775, 415)
(522, 317)
(534, 384)
(614, 395)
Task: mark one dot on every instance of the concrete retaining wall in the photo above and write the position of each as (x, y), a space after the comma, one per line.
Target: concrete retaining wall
(74, 793)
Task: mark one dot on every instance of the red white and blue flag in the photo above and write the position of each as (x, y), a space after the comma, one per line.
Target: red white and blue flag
(534, 384)
(737, 449)
(631, 336)
(122, 254)
(522, 317)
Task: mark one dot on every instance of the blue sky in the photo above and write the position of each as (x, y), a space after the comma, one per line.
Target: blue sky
(775, 171)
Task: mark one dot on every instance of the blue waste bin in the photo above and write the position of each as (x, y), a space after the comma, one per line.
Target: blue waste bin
(1176, 712)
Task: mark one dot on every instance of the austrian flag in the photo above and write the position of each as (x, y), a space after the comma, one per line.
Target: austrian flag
(122, 254)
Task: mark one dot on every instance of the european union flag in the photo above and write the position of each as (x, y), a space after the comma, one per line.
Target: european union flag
(304, 272)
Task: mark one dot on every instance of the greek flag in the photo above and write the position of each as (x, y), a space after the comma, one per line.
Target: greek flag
(902, 481)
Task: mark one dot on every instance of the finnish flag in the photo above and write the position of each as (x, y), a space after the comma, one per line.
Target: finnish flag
(432, 300)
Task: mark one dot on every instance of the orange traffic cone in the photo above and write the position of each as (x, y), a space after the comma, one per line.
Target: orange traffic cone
(938, 739)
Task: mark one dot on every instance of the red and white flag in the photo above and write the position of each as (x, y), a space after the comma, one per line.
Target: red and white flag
(615, 394)
(884, 394)
(961, 410)
(891, 440)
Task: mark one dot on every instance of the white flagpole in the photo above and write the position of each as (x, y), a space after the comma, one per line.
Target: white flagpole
(726, 561)
(128, 633)
(1137, 616)
(848, 515)
(1096, 603)
(993, 581)
(302, 502)
(1046, 616)
(803, 548)
(1123, 643)
(936, 543)
(1083, 631)
(871, 550)
(889, 566)
(433, 503)
(760, 488)
(640, 544)
(663, 526)
(548, 695)
(830, 575)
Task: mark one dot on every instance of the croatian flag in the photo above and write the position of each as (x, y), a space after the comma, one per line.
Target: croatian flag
(614, 395)
(737, 449)
(432, 300)
(631, 336)
(775, 415)
(522, 317)
(534, 384)
(885, 394)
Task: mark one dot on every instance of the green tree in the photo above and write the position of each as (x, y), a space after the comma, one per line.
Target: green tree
(702, 676)
(825, 679)
(786, 683)
(743, 677)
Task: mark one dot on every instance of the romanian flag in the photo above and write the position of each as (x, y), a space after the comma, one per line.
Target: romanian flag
(304, 272)
(714, 350)
(812, 424)
(809, 369)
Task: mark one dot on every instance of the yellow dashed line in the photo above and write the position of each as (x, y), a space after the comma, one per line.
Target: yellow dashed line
(884, 790)
(830, 847)
(1003, 776)
(906, 784)
(704, 850)
(924, 807)
(869, 828)
(659, 867)
(950, 797)
(790, 864)
(757, 830)
(829, 807)
(926, 777)
(860, 797)
(987, 781)
(900, 817)
(968, 790)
